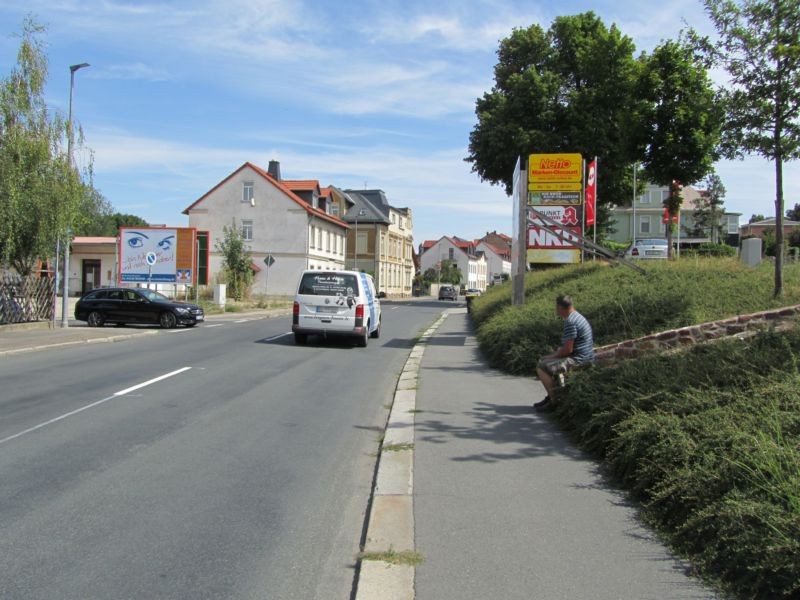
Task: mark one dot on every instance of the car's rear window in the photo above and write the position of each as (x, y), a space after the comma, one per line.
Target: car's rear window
(95, 295)
(653, 242)
(328, 284)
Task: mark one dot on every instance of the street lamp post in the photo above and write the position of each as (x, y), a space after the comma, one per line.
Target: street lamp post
(361, 213)
(65, 293)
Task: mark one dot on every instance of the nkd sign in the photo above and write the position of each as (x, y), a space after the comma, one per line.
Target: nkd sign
(545, 240)
(173, 249)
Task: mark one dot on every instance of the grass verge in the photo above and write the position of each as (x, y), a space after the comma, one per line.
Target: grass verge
(622, 304)
(708, 439)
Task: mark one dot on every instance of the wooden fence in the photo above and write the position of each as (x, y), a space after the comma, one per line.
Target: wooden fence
(26, 299)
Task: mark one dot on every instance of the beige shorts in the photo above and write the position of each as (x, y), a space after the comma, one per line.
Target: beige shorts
(554, 366)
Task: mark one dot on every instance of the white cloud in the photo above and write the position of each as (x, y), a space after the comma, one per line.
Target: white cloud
(129, 71)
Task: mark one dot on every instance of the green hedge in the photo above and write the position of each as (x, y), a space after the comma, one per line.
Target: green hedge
(708, 440)
(621, 303)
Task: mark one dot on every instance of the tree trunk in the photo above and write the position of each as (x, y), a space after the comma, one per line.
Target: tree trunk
(778, 225)
(670, 254)
(778, 149)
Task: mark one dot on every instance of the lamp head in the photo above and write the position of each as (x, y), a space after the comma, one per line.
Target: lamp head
(74, 68)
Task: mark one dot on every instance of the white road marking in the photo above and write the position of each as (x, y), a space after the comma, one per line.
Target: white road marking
(276, 337)
(88, 406)
(242, 321)
(395, 307)
(210, 326)
(151, 381)
(179, 330)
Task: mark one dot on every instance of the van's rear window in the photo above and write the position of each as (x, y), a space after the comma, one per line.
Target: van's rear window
(328, 284)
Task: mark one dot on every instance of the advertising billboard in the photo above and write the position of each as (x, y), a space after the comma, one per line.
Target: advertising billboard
(157, 255)
(555, 190)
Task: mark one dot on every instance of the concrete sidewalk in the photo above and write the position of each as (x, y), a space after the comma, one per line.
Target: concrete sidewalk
(506, 507)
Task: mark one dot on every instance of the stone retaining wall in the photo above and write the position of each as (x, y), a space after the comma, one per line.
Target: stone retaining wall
(687, 336)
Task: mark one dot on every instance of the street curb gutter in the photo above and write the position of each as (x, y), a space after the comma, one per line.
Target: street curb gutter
(391, 520)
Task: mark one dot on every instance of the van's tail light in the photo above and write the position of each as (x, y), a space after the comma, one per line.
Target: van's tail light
(360, 311)
(296, 313)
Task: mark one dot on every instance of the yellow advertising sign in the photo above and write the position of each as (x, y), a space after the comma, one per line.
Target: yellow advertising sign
(555, 168)
(554, 257)
(564, 186)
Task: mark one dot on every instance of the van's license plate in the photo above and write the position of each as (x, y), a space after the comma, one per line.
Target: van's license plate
(327, 309)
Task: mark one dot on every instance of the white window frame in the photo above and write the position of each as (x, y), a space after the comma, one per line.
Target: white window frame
(361, 243)
(247, 230)
(248, 191)
(733, 224)
(642, 220)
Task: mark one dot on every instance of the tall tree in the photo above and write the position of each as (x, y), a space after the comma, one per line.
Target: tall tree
(568, 89)
(793, 214)
(236, 262)
(681, 121)
(709, 208)
(759, 47)
(40, 192)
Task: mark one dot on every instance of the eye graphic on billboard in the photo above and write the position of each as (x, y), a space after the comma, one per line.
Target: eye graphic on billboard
(134, 246)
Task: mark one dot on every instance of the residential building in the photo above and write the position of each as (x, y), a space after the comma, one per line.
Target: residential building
(498, 260)
(757, 228)
(380, 241)
(290, 221)
(92, 264)
(470, 261)
(648, 212)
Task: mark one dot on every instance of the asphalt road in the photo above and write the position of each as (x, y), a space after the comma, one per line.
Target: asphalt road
(244, 473)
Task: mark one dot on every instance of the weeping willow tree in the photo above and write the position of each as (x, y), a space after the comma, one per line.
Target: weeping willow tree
(41, 194)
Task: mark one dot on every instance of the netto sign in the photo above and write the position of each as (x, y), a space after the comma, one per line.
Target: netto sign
(555, 167)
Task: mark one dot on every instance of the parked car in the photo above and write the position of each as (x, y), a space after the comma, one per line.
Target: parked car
(472, 292)
(649, 248)
(448, 292)
(135, 305)
(336, 303)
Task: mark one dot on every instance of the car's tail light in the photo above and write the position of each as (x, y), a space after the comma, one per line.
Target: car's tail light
(360, 311)
(634, 252)
(296, 313)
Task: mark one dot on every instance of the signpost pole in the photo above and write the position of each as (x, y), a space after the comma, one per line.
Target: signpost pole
(583, 221)
(596, 187)
(521, 204)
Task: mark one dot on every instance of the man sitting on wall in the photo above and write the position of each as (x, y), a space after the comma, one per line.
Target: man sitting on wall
(576, 349)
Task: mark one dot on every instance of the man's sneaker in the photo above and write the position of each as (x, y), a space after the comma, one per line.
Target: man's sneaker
(560, 380)
(543, 405)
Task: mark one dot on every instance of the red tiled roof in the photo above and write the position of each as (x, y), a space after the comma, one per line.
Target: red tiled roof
(301, 185)
(94, 240)
(325, 192)
(429, 243)
(278, 184)
(495, 249)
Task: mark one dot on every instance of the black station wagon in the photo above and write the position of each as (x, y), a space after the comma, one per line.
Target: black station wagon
(135, 305)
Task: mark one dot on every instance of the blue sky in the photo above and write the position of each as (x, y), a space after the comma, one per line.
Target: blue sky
(376, 93)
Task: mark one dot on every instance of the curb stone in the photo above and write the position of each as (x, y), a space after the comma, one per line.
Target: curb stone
(391, 512)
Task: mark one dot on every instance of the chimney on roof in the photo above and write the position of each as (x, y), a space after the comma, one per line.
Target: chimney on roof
(274, 170)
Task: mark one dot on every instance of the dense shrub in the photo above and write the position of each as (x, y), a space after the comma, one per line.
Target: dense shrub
(621, 303)
(709, 249)
(709, 440)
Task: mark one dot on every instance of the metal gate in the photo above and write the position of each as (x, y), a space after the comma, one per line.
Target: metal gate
(26, 299)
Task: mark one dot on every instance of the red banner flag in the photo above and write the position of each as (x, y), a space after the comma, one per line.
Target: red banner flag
(665, 218)
(591, 192)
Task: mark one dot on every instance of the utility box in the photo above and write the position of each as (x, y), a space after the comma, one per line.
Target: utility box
(219, 294)
(751, 251)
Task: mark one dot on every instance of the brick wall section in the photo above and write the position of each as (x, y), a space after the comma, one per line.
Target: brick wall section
(696, 334)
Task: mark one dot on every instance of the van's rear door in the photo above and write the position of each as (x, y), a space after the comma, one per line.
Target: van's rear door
(328, 300)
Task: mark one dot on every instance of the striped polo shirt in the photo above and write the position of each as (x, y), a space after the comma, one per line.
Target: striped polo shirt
(577, 328)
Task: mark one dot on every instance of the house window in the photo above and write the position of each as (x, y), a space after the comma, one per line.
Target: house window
(450, 254)
(361, 243)
(319, 239)
(313, 242)
(327, 241)
(335, 209)
(733, 224)
(644, 224)
(247, 231)
(248, 192)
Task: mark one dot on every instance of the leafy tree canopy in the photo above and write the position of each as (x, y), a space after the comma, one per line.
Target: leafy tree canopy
(567, 89)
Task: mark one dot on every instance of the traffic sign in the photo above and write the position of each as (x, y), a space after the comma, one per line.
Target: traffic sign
(269, 260)
(151, 258)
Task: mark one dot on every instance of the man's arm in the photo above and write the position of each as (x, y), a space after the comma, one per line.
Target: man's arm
(565, 349)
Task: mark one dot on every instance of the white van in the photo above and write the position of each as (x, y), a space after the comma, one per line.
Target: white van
(336, 303)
